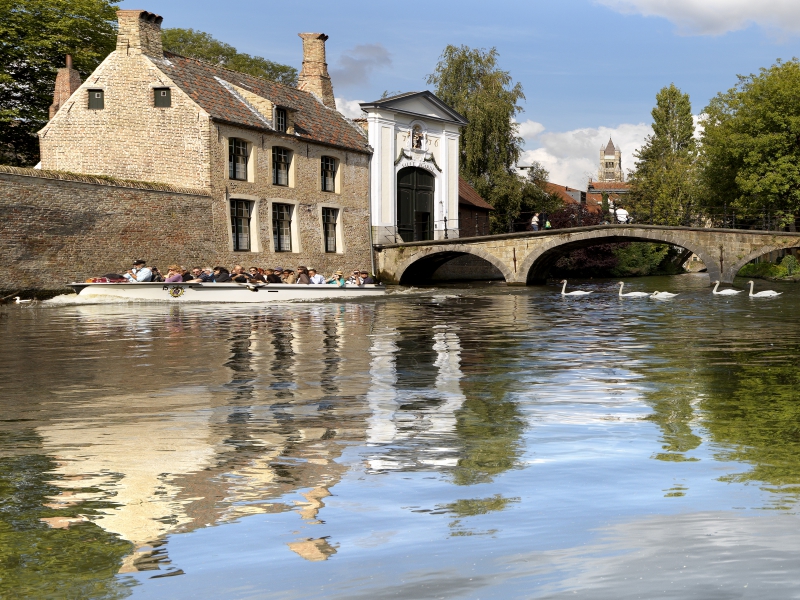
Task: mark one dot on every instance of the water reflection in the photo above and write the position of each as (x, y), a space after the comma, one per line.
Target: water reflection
(473, 410)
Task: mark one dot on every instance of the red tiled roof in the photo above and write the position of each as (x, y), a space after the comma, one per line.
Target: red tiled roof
(312, 120)
(608, 185)
(592, 200)
(468, 195)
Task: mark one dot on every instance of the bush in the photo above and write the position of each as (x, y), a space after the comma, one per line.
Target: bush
(791, 265)
(639, 259)
(763, 269)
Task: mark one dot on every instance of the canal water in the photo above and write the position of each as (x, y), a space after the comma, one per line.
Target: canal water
(458, 442)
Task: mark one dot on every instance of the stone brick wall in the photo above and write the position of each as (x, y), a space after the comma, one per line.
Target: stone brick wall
(304, 194)
(54, 231)
(129, 138)
(58, 227)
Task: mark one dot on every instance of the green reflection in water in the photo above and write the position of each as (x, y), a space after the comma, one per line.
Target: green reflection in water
(754, 417)
(471, 508)
(490, 427)
(39, 561)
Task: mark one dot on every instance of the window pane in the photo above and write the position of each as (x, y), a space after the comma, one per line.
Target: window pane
(96, 99)
(237, 159)
(162, 97)
(282, 227)
(240, 224)
(328, 174)
(280, 166)
(280, 119)
(329, 217)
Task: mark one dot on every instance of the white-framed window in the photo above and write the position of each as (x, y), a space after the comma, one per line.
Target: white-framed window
(282, 229)
(281, 166)
(280, 119)
(328, 174)
(239, 158)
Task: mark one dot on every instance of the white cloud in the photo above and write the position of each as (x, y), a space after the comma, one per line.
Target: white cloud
(528, 130)
(356, 64)
(349, 108)
(714, 17)
(572, 157)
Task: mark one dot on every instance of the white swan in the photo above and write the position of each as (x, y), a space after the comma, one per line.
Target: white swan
(630, 294)
(727, 292)
(662, 295)
(17, 300)
(575, 293)
(764, 294)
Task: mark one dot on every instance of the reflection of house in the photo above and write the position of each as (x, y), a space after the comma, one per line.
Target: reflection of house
(286, 173)
(473, 211)
(414, 170)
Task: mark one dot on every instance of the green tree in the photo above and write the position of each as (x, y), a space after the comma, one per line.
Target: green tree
(201, 45)
(664, 186)
(751, 144)
(35, 36)
(470, 81)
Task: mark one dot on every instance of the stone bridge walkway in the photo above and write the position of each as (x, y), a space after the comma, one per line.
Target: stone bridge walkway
(525, 258)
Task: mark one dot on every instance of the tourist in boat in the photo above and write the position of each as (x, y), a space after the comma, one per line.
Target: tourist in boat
(315, 277)
(366, 279)
(272, 277)
(288, 276)
(354, 277)
(187, 274)
(238, 274)
(302, 275)
(139, 273)
(256, 276)
(221, 275)
(174, 274)
(337, 279)
(205, 275)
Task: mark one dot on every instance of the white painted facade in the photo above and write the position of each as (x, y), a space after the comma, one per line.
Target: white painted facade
(413, 130)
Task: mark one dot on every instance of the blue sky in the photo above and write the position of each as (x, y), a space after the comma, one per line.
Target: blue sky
(590, 68)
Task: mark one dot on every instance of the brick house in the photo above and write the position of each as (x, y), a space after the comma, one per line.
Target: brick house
(287, 174)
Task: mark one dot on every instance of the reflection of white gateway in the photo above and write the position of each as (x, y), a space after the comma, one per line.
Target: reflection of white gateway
(225, 292)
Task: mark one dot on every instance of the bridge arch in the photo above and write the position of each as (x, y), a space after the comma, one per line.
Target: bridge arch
(535, 266)
(423, 264)
(730, 272)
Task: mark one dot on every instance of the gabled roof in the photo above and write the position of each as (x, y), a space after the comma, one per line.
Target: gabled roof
(608, 186)
(205, 84)
(468, 195)
(610, 149)
(414, 103)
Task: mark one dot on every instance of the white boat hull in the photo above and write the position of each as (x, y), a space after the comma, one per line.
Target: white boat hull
(225, 292)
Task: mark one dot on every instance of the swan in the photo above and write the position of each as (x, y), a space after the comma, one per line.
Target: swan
(575, 293)
(662, 295)
(764, 294)
(630, 294)
(727, 292)
(18, 300)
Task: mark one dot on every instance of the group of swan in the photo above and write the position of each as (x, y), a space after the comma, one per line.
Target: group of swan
(664, 295)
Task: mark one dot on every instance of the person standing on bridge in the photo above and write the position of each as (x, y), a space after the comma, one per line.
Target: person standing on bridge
(535, 222)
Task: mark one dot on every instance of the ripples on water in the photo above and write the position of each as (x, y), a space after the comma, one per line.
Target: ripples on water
(452, 443)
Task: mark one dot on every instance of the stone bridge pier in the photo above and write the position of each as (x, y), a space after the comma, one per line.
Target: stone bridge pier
(526, 258)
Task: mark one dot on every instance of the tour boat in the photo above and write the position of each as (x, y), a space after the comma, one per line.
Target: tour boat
(225, 292)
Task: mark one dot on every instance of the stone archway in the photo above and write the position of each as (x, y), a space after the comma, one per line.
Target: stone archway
(535, 265)
(429, 258)
(731, 271)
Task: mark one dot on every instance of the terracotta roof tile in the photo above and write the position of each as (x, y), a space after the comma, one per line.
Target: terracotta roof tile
(312, 120)
(468, 195)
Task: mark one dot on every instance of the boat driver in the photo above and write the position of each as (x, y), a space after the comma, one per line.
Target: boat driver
(139, 273)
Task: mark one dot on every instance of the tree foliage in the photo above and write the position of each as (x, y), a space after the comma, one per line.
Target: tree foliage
(751, 144)
(35, 36)
(201, 45)
(664, 184)
(471, 82)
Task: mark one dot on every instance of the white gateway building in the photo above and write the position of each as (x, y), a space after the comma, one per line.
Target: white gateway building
(414, 168)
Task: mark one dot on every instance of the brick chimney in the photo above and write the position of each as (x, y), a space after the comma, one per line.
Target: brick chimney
(139, 33)
(314, 74)
(67, 81)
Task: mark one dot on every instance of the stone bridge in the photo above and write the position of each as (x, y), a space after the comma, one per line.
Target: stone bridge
(525, 258)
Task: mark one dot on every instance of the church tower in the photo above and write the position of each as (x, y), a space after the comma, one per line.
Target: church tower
(610, 163)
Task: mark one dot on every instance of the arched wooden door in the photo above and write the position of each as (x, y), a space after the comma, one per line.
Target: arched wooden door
(415, 204)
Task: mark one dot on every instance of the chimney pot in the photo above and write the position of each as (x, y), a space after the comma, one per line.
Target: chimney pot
(139, 33)
(314, 76)
(67, 81)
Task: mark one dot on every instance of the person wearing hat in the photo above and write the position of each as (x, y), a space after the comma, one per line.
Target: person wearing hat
(337, 279)
(139, 273)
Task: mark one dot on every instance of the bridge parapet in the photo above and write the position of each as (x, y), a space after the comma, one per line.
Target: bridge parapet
(525, 257)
